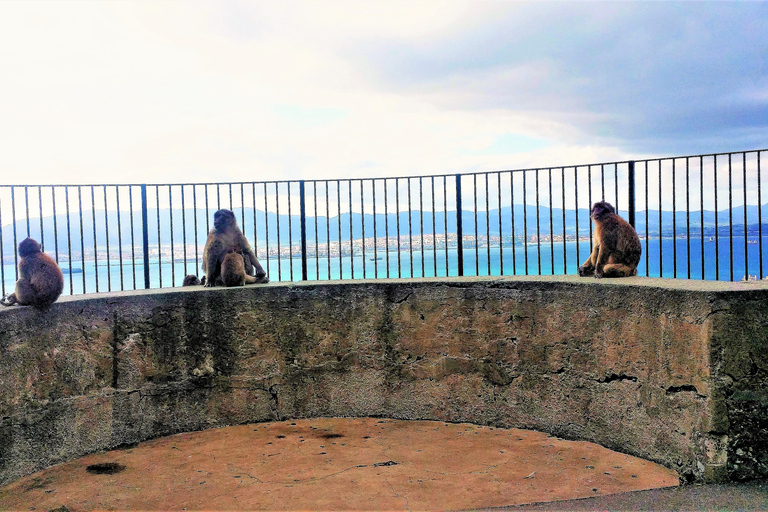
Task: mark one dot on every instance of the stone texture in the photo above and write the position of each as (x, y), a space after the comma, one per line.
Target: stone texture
(672, 371)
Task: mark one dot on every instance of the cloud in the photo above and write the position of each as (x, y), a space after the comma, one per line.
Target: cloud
(182, 91)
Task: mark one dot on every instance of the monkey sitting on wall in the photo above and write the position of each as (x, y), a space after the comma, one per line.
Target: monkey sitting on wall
(617, 248)
(191, 280)
(224, 237)
(40, 279)
(233, 270)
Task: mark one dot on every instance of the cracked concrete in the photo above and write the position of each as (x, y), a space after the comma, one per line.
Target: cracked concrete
(338, 464)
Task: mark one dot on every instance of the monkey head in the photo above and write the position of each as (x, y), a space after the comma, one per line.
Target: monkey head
(222, 219)
(601, 209)
(29, 247)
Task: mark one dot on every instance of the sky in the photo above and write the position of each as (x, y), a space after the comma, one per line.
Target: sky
(225, 91)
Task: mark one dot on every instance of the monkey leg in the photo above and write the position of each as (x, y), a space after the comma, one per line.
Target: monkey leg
(9, 300)
(588, 268)
(619, 270)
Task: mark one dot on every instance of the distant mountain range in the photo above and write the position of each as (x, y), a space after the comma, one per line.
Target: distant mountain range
(69, 226)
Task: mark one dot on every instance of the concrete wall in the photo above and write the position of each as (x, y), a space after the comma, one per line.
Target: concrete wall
(673, 371)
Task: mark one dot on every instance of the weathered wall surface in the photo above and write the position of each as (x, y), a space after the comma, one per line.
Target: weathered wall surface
(673, 371)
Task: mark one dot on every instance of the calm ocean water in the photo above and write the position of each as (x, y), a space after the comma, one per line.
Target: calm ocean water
(723, 260)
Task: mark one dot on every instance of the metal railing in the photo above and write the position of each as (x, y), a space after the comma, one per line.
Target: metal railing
(698, 217)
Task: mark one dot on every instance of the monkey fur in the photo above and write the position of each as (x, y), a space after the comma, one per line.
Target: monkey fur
(40, 280)
(223, 238)
(191, 280)
(617, 248)
(233, 270)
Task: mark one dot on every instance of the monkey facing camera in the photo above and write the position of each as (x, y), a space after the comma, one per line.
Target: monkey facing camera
(226, 238)
(617, 248)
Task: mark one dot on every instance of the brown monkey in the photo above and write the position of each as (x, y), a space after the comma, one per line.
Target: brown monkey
(191, 280)
(40, 279)
(226, 236)
(617, 248)
(233, 270)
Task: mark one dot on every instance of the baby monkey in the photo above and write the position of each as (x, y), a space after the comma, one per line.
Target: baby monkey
(617, 248)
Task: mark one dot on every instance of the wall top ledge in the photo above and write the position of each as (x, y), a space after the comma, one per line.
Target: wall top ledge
(533, 282)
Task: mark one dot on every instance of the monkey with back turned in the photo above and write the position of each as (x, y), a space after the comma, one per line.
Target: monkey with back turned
(233, 270)
(223, 238)
(40, 279)
(617, 248)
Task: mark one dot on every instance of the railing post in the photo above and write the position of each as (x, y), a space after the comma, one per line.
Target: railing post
(145, 232)
(303, 208)
(631, 190)
(459, 229)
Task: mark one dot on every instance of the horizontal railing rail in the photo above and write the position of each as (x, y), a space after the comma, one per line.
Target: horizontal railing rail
(698, 217)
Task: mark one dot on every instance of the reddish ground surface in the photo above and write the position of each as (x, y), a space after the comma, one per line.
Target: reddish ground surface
(338, 464)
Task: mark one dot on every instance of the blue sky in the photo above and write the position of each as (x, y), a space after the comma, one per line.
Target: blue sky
(192, 91)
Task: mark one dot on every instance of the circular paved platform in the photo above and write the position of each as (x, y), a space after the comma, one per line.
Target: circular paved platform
(338, 464)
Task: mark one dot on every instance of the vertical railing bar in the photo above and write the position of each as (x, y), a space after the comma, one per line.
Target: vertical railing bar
(218, 196)
(701, 212)
(501, 230)
(512, 213)
(421, 222)
(159, 239)
(255, 228)
(375, 235)
(69, 243)
(13, 223)
(328, 226)
(631, 200)
(746, 231)
(386, 226)
(26, 206)
(445, 221)
(338, 216)
(538, 224)
(120, 236)
(730, 214)
(576, 206)
(351, 237)
(266, 227)
(477, 240)
(362, 223)
(317, 229)
(459, 228)
(647, 233)
(602, 187)
(487, 223)
(55, 224)
(242, 208)
(303, 230)
(759, 217)
(106, 235)
(184, 227)
(434, 230)
(82, 234)
(95, 248)
(565, 235)
(688, 214)
(279, 249)
(661, 235)
(133, 238)
(616, 185)
(717, 227)
(551, 227)
(317, 234)
(525, 220)
(207, 210)
(40, 209)
(589, 195)
(145, 234)
(397, 218)
(674, 220)
(290, 230)
(410, 228)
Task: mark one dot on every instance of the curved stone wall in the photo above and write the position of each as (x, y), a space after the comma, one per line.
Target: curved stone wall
(672, 371)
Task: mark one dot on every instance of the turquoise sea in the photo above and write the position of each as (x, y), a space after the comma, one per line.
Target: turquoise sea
(723, 260)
